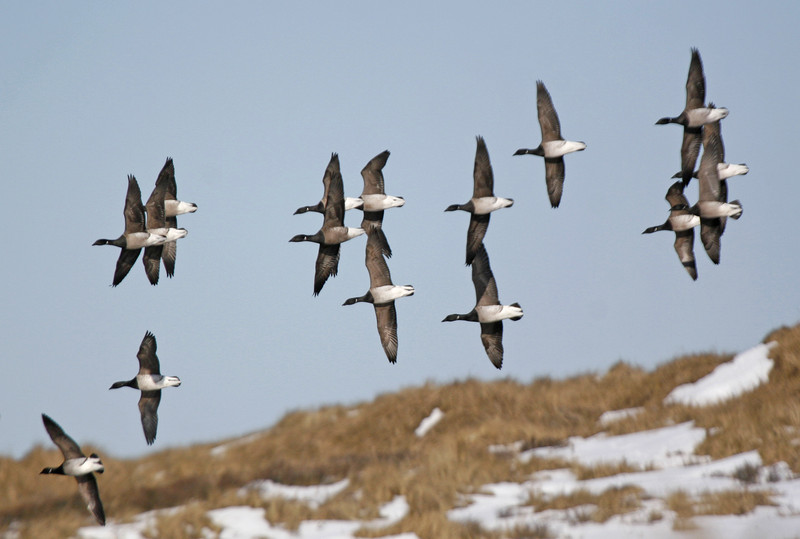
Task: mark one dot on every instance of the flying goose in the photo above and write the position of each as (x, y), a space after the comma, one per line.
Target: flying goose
(332, 234)
(150, 382)
(483, 201)
(376, 200)
(488, 310)
(695, 114)
(682, 222)
(332, 168)
(712, 205)
(382, 294)
(135, 236)
(159, 223)
(78, 466)
(553, 148)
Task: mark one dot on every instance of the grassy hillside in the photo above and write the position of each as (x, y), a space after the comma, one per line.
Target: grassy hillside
(374, 446)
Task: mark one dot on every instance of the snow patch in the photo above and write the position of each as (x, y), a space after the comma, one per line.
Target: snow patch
(662, 448)
(606, 418)
(427, 424)
(221, 449)
(313, 496)
(743, 373)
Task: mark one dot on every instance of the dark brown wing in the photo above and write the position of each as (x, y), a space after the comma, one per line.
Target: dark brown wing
(334, 205)
(492, 339)
(708, 175)
(478, 224)
(134, 209)
(148, 360)
(373, 174)
(327, 265)
(684, 246)
(330, 170)
(67, 445)
(87, 486)
(127, 258)
(376, 265)
(675, 195)
(166, 178)
(483, 279)
(372, 223)
(710, 233)
(482, 176)
(554, 177)
(548, 119)
(148, 409)
(690, 149)
(695, 83)
(152, 262)
(169, 252)
(386, 316)
(156, 216)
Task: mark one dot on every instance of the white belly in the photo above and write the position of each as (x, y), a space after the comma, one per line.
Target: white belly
(704, 115)
(389, 292)
(137, 240)
(495, 313)
(172, 234)
(351, 203)
(379, 202)
(710, 209)
(177, 207)
(484, 205)
(82, 466)
(728, 170)
(685, 221)
(557, 148)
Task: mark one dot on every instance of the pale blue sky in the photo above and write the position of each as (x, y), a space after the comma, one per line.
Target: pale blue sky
(251, 98)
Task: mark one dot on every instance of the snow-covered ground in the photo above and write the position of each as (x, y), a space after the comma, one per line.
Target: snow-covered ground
(664, 457)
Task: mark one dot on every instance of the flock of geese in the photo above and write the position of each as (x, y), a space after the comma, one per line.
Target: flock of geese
(156, 233)
(701, 127)
(153, 227)
(382, 293)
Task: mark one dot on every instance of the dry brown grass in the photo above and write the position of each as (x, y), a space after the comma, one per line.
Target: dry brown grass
(373, 445)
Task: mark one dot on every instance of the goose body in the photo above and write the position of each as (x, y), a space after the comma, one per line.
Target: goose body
(375, 200)
(333, 232)
(135, 237)
(77, 465)
(488, 311)
(483, 201)
(150, 382)
(681, 221)
(349, 202)
(553, 147)
(724, 170)
(694, 116)
(382, 293)
(712, 205)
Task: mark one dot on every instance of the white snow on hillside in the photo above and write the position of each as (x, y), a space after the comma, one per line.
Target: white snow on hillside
(313, 496)
(664, 458)
(667, 447)
(427, 424)
(743, 373)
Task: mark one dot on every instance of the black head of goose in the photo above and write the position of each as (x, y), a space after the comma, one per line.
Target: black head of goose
(332, 168)
(77, 465)
(135, 236)
(375, 199)
(159, 223)
(682, 222)
(150, 382)
(553, 147)
(695, 114)
(332, 234)
(483, 201)
(488, 310)
(382, 294)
